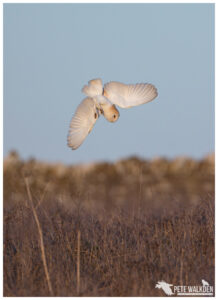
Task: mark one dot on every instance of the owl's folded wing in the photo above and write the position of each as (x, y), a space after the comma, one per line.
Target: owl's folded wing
(128, 95)
(82, 123)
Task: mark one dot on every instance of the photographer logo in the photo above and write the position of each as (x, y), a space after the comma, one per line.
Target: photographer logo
(186, 290)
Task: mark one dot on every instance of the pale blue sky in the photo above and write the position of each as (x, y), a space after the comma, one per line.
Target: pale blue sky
(52, 50)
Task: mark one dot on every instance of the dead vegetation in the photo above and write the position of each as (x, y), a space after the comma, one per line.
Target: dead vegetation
(107, 229)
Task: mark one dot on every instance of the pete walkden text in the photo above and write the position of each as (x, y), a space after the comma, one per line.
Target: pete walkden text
(206, 289)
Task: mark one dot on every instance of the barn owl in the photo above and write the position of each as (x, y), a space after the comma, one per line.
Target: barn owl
(102, 101)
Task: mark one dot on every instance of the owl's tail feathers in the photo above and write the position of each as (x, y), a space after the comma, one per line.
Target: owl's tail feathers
(94, 88)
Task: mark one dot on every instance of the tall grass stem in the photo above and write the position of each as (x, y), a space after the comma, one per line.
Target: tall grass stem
(78, 262)
(40, 238)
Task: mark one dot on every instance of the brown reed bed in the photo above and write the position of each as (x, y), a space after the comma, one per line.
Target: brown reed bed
(107, 229)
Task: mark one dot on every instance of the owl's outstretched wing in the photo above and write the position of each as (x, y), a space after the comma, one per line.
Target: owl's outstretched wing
(128, 95)
(82, 123)
(94, 88)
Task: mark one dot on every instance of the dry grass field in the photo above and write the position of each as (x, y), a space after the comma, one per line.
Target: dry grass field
(107, 229)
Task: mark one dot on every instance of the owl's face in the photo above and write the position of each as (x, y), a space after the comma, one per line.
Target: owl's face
(111, 113)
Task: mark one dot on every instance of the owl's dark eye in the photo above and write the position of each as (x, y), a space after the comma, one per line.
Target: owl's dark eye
(114, 116)
(95, 115)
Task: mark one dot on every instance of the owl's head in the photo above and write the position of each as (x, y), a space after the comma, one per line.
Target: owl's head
(111, 113)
